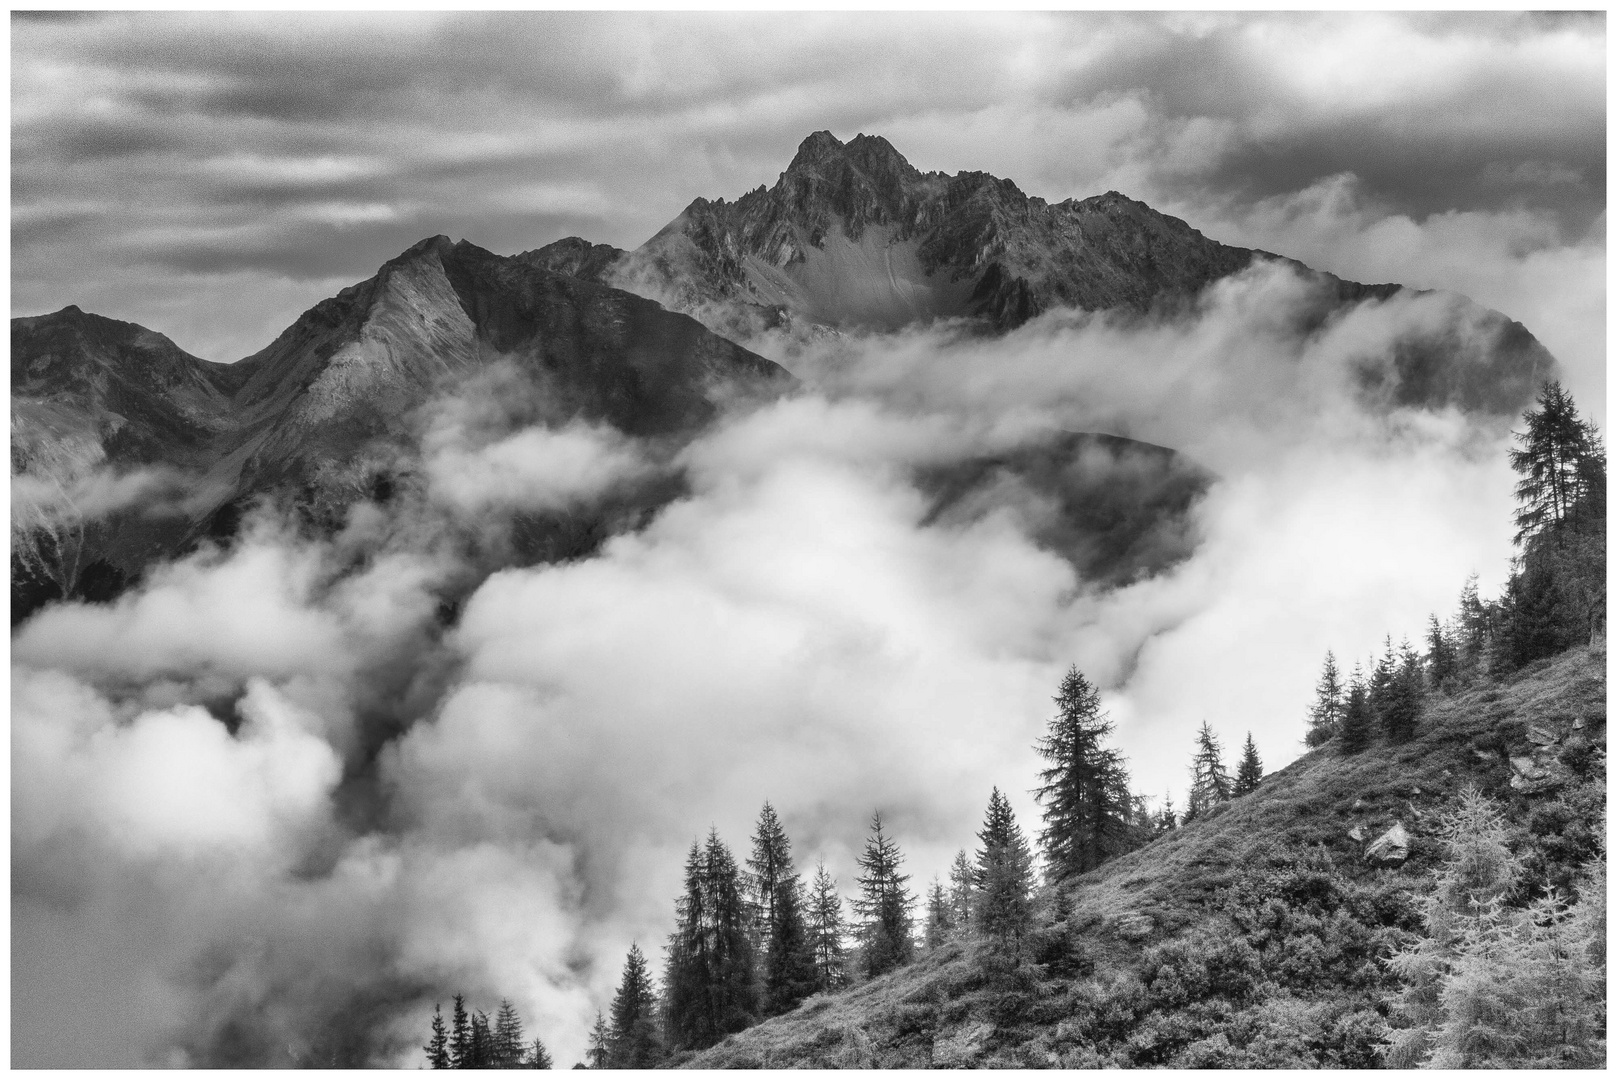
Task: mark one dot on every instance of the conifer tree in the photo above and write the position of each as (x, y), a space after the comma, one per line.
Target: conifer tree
(1325, 717)
(1490, 986)
(1472, 630)
(1209, 781)
(506, 1043)
(437, 1047)
(632, 1042)
(1382, 676)
(460, 1037)
(1250, 771)
(711, 985)
(1548, 459)
(961, 873)
(1084, 792)
(599, 1052)
(1442, 658)
(884, 904)
(1402, 697)
(1167, 819)
(771, 866)
(826, 931)
(939, 916)
(1358, 720)
(538, 1056)
(1004, 879)
(481, 1049)
(789, 968)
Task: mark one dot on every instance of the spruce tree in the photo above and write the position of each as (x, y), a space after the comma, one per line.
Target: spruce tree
(771, 866)
(538, 1056)
(437, 1047)
(826, 931)
(1382, 676)
(1358, 720)
(599, 1052)
(506, 1043)
(939, 916)
(1442, 658)
(1402, 698)
(789, 967)
(1084, 792)
(1209, 781)
(460, 1037)
(884, 904)
(1004, 879)
(1250, 771)
(711, 987)
(633, 1042)
(480, 1051)
(1473, 629)
(1325, 717)
(1167, 819)
(961, 874)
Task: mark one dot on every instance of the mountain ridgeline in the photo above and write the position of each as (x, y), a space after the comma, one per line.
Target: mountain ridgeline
(127, 451)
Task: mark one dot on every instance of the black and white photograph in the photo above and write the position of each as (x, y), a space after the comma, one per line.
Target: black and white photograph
(830, 539)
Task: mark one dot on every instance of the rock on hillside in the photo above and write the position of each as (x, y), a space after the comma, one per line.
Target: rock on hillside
(1252, 937)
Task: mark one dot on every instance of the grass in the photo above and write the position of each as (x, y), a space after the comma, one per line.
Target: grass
(944, 1010)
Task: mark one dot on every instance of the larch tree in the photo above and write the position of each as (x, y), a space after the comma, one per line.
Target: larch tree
(884, 904)
(1249, 773)
(1084, 790)
(1325, 716)
(1494, 986)
(1551, 449)
(1209, 780)
(538, 1056)
(1004, 879)
(826, 931)
(437, 1047)
(633, 1042)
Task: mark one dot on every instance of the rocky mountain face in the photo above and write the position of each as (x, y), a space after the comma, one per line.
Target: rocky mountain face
(323, 415)
(853, 237)
(126, 450)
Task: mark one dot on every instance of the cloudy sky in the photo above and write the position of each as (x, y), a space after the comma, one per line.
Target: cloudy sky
(211, 175)
(790, 630)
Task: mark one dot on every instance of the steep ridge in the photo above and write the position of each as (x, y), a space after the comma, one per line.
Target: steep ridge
(853, 237)
(324, 412)
(1252, 937)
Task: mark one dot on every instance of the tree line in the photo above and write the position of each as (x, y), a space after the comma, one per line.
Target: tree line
(1554, 598)
(753, 942)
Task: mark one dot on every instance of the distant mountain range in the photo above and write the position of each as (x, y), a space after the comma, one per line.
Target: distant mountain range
(851, 238)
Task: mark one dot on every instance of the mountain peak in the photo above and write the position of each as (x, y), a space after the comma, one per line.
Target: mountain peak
(816, 148)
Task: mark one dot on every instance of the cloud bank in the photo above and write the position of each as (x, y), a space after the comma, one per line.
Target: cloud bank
(273, 804)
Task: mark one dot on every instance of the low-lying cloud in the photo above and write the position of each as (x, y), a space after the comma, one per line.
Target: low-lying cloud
(274, 803)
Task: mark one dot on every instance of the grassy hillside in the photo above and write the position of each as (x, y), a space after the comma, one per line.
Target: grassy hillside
(1252, 937)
